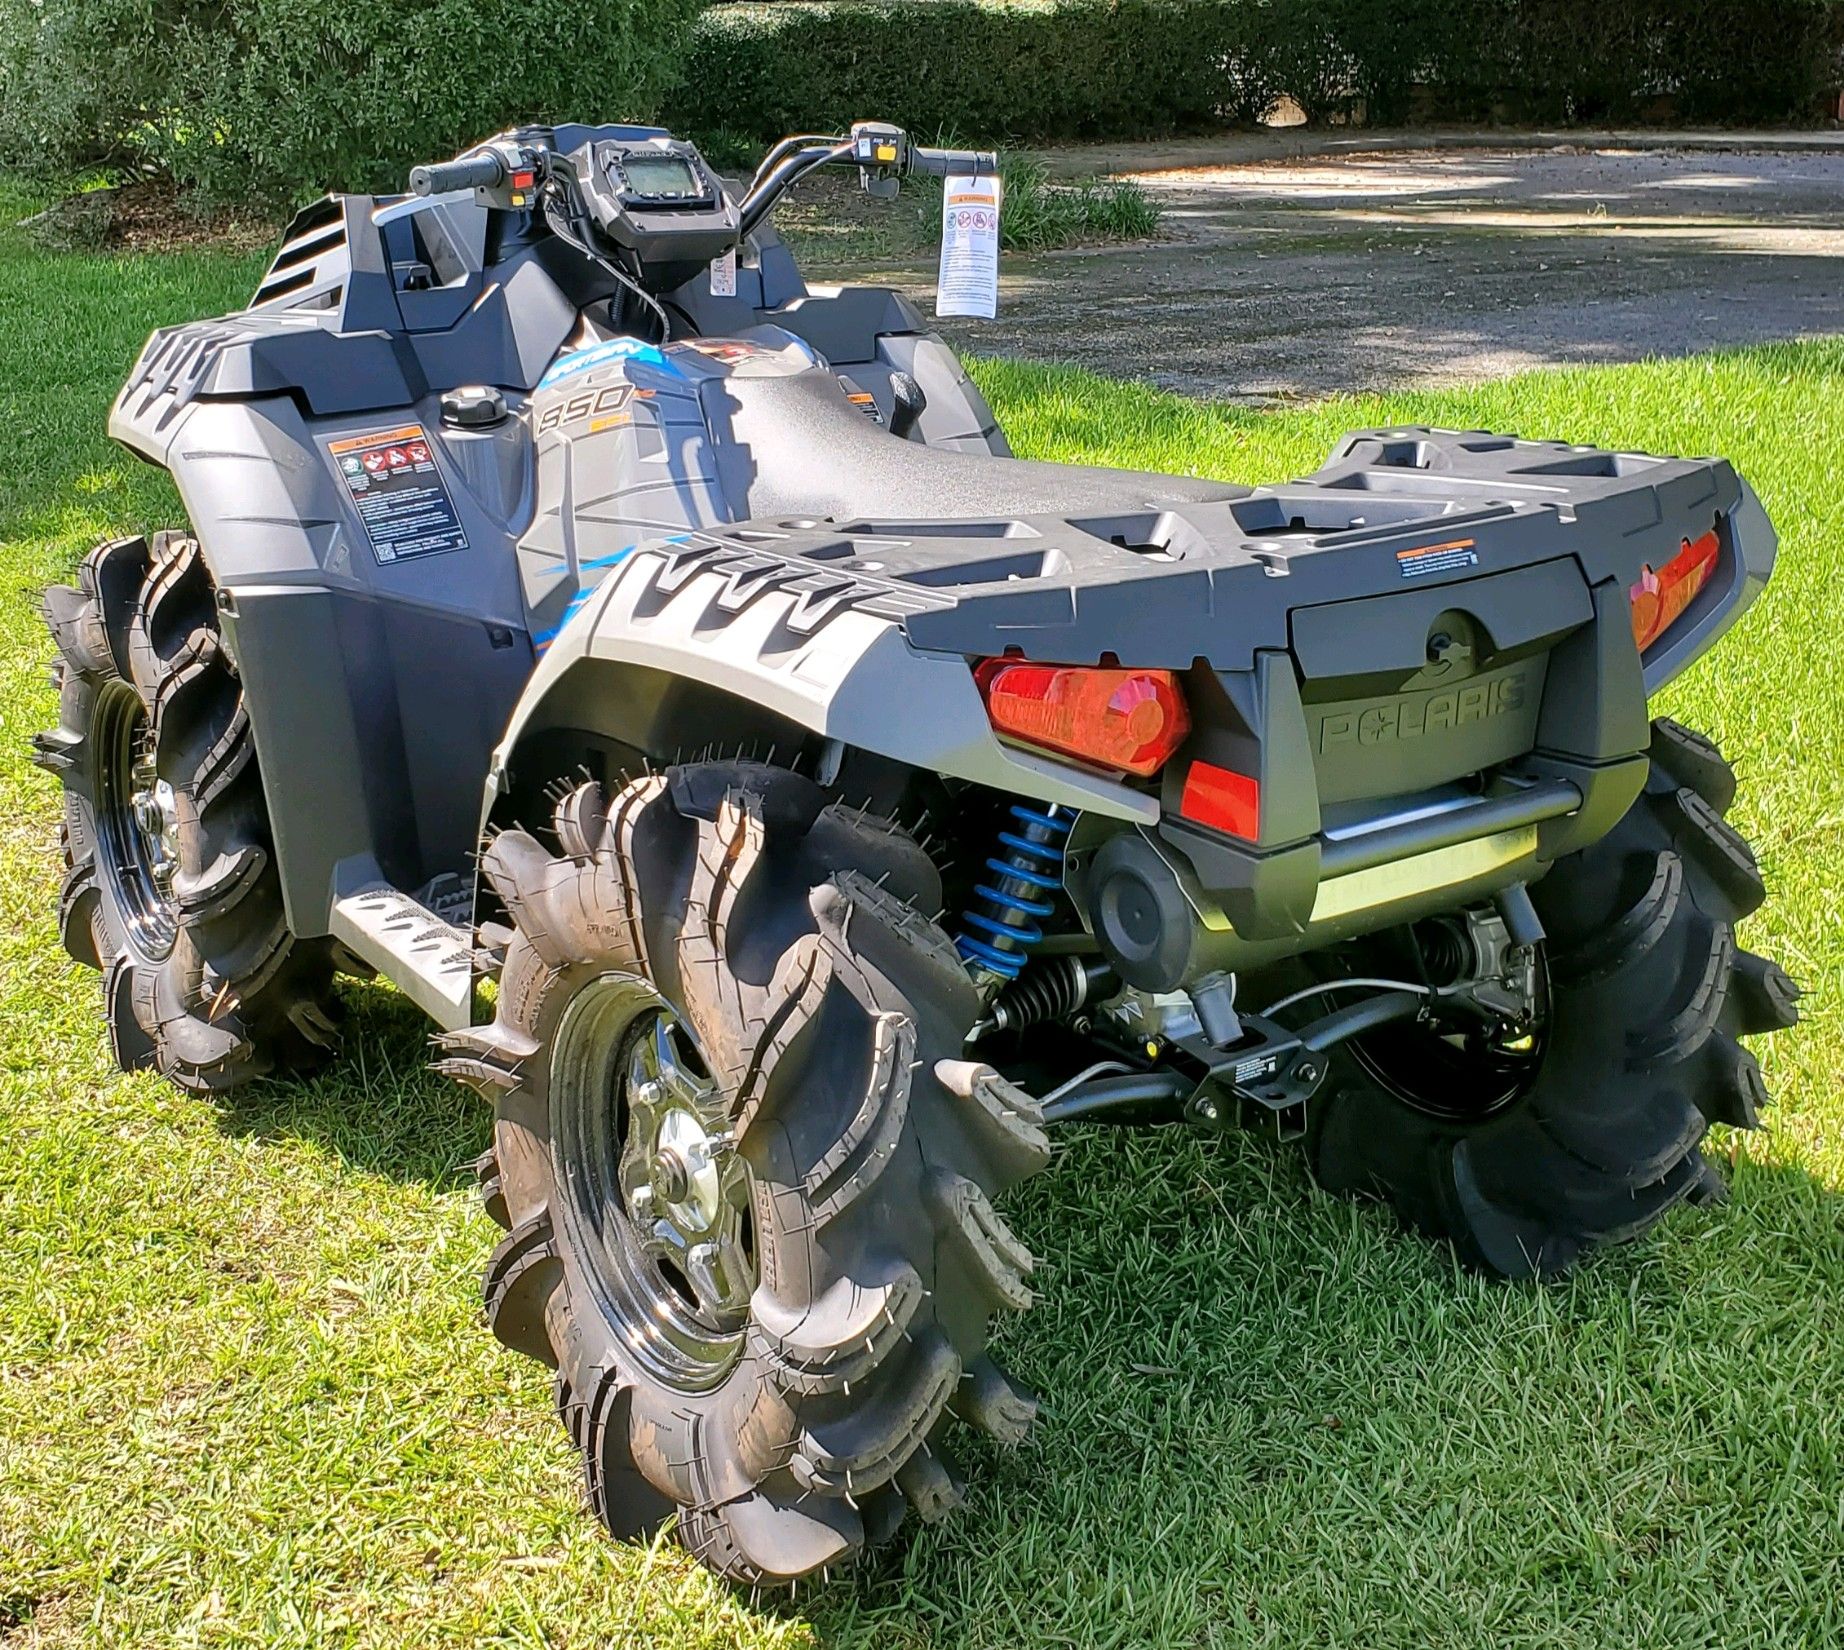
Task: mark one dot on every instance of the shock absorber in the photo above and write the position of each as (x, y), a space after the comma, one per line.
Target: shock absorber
(1005, 922)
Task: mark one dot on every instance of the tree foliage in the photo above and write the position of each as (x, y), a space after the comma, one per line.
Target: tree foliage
(272, 99)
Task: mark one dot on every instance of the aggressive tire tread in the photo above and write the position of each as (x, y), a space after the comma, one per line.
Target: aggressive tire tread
(1650, 994)
(234, 996)
(521, 1277)
(829, 1012)
(1691, 761)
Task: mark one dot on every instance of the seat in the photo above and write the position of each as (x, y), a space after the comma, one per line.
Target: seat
(799, 449)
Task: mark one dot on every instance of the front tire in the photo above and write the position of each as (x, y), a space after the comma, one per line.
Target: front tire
(170, 884)
(1649, 998)
(747, 1179)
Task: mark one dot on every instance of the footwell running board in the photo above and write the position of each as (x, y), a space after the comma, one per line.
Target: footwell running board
(428, 959)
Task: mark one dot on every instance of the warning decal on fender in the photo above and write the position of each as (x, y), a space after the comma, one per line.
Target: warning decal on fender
(399, 493)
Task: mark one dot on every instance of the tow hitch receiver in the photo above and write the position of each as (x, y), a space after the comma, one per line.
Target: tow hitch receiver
(1273, 1072)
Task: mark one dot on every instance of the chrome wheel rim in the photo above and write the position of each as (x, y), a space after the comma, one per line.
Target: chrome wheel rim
(658, 1204)
(137, 822)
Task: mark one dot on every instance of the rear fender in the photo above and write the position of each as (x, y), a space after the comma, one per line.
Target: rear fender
(832, 670)
(375, 691)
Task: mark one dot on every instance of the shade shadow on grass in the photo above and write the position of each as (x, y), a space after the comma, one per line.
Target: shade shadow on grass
(378, 1106)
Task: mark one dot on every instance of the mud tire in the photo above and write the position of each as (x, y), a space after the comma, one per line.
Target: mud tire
(224, 993)
(831, 1016)
(1650, 998)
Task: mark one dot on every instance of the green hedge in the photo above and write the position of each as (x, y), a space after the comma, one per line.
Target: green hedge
(262, 99)
(1038, 69)
(270, 99)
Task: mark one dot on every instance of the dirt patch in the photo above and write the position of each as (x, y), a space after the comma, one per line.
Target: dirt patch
(1301, 275)
(829, 222)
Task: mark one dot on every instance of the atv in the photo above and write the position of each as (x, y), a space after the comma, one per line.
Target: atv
(791, 807)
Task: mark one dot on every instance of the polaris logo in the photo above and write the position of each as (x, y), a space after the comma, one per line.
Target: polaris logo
(1413, 715)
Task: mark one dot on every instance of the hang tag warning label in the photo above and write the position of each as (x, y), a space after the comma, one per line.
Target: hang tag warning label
(968, 282)
(723, 275)
(399, 493)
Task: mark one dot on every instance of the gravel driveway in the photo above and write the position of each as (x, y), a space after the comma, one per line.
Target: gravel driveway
(1296, 277)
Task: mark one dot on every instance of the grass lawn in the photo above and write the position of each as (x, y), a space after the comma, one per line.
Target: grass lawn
(245, 1396)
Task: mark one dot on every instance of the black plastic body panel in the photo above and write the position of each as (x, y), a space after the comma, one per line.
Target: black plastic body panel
(386, 762)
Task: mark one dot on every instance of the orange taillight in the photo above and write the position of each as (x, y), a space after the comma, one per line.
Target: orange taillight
(1222, 799)
(1659, 599)
(1130, 720)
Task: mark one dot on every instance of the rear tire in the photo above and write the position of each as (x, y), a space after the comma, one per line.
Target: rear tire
(1649, 998)
(170, 885)
(790, 1394)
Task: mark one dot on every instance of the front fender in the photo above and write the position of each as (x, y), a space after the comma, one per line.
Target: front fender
(833, 668)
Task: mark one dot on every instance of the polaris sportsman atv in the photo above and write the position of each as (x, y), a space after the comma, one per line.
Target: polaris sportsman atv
(853, 802)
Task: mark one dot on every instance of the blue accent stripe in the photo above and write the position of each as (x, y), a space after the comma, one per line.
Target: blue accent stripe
(575, 604)
(593, 565)
(595, 355)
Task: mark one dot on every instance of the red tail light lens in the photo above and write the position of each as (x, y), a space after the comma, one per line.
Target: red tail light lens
(1222, 799)
(1127, 719)
(1659, 599)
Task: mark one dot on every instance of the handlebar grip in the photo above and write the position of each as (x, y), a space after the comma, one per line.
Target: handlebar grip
(483, 171)
(942, 163)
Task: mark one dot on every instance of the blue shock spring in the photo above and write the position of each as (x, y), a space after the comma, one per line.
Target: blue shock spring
(997, 935)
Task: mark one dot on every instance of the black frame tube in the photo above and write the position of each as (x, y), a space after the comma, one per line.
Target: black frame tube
(1109, 1094)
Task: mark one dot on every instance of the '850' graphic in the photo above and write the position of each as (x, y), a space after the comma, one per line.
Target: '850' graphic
(606, 407)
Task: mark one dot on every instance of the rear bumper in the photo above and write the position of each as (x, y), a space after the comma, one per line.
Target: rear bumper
(1393, 783)
(1422, 745)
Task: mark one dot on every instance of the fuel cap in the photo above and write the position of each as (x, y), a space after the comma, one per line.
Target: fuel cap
(473, 407)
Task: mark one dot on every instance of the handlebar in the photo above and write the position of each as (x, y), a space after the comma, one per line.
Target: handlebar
(883, 153)
(943, 163)
(879, 151)
(481, 171)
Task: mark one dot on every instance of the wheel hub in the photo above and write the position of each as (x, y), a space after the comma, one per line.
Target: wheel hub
(655, 1199)
(685, 1187)
(156, 817)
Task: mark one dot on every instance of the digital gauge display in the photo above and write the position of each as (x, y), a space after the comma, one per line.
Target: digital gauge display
(661, 178)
